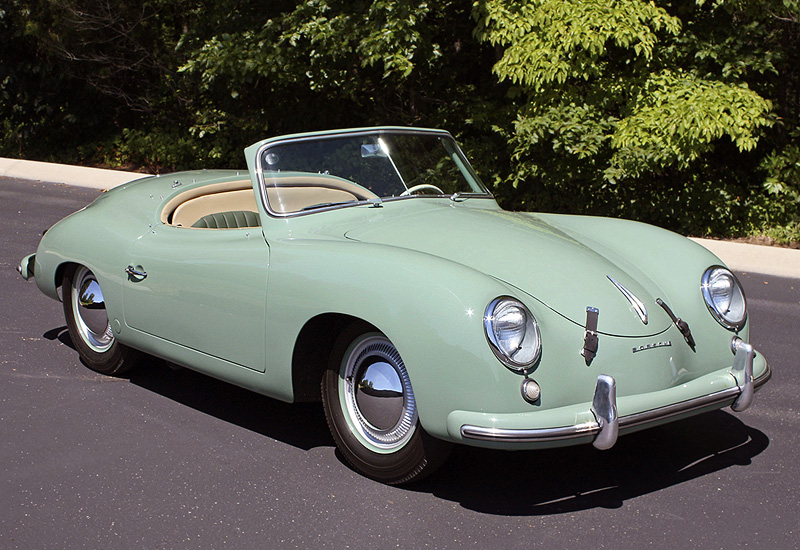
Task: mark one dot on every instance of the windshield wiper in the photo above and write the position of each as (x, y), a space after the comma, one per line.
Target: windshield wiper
(326, 205)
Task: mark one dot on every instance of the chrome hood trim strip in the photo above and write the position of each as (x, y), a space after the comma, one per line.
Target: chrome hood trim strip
(638, 305)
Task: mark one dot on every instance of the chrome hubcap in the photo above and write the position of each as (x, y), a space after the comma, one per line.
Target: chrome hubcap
(89, 308)
(377, 394)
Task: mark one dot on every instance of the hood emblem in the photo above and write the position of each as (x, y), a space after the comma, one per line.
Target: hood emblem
(654, 345)
(637, 304)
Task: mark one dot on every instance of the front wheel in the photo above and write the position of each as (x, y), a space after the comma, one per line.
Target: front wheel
(371, 411)
(88, 326)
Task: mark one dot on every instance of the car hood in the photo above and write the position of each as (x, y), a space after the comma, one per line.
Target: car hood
(566, 273)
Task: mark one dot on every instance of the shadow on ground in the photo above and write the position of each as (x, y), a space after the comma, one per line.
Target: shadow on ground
(545, 482)
(61, 334)
(301, 425)
(557, 481)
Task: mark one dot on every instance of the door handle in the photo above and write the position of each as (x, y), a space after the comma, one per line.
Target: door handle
(135, 273)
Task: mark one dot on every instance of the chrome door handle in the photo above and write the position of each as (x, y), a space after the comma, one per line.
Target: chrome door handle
(134, 273)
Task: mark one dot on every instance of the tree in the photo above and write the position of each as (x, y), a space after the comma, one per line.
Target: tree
(611, 117)
(683, 113)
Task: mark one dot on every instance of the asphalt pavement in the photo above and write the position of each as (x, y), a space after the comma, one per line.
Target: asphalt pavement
(173, 459)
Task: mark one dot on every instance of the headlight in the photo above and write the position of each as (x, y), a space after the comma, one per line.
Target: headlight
(724, 297)
(512, 333)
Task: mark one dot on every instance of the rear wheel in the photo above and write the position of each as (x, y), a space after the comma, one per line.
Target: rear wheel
(88, 325)
(371, 411)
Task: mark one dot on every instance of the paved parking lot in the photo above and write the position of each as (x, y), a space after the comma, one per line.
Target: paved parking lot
(173, 459)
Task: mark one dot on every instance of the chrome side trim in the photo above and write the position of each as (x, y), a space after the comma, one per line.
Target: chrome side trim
(593, 428)
(520, 436)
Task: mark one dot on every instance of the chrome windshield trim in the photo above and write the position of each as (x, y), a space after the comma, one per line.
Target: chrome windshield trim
(406, 197)
(259, 169)
(593, 428)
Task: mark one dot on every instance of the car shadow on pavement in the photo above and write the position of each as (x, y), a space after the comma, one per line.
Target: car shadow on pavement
(61, 334)
(301, 425)
(557, 481)
(543, 482)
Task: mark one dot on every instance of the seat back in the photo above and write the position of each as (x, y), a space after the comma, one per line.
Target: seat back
(233, 219)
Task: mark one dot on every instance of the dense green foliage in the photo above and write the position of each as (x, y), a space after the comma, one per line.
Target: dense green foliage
(683, 114)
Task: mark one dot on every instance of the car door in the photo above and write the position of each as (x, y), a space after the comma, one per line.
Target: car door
(204, 289)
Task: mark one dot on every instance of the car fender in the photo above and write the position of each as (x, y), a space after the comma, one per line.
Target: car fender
(75, 240)
(430, 308)
(675, 263)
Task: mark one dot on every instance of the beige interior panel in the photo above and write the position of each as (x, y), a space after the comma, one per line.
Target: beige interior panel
(293, 199)
(177, 200)
(193, 209)
(291, 194)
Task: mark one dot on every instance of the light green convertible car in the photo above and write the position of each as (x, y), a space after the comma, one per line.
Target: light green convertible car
(371, 269)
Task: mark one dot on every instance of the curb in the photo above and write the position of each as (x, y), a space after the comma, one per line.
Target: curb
(749, 258)
(754, 258)
(95, 178)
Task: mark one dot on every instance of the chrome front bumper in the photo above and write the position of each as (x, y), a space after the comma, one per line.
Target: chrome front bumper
(607, 425)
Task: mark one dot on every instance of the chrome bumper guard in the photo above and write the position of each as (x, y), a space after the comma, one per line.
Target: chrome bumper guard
(26, 266)
(604, 408)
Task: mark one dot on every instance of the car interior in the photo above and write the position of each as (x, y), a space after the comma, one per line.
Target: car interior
(232, 204)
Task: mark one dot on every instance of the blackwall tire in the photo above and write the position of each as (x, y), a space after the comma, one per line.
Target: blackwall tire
(88, 325)
(371, 412)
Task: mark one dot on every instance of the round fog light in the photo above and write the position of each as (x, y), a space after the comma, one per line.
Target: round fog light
(530, 390)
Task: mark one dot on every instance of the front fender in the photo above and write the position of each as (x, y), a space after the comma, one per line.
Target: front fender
(672, 262)
(430, 308)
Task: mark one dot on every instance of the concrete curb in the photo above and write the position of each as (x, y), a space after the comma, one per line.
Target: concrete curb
(768, 260)
(753, 258)
(95, 178)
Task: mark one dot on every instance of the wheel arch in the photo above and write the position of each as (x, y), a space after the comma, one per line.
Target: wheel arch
(61, 269)
(430, 308)
(312, 351)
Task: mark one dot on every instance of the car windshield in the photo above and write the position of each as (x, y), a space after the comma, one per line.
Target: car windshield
(311, 173)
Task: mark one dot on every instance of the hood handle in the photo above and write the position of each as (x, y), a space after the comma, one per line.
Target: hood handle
(682, 325)
(590, 340)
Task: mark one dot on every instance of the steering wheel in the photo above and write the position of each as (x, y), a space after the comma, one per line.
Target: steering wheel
(418, 187)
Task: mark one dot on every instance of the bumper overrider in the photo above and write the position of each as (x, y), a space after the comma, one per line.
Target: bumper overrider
(602, 424)
(26, 266)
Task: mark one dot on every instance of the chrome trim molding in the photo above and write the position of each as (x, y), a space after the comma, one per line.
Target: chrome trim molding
(742, 371)
(520, 436)
(355, 132)
(604, 409)
(488, 332)
(593, 428)
(705, 282)
(636, 303)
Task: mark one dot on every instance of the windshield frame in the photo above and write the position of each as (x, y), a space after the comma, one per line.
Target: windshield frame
(353, 133)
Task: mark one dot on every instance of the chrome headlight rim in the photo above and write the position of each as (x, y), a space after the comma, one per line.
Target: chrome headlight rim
(737, 289)
(532, 335)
